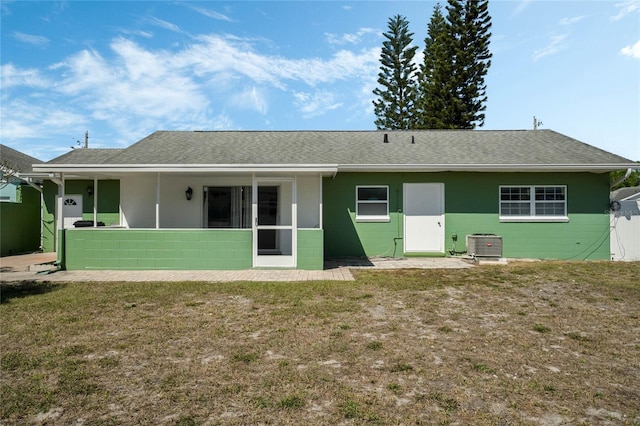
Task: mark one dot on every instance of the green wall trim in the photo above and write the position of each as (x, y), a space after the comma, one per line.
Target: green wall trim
(131, 249)
(471, 206)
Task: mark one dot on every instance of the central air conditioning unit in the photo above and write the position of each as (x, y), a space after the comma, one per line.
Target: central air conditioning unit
(484, 245)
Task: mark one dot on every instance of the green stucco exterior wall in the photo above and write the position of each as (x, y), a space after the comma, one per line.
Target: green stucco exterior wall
(20, 223)
(108, 205)
(157, 249)
(472, 206)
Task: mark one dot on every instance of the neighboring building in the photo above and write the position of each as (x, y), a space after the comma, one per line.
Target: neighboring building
(625, 224)
(20, 222)
(256, 199)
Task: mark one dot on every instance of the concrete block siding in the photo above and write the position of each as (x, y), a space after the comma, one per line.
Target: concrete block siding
(472, 206)
(193, 249)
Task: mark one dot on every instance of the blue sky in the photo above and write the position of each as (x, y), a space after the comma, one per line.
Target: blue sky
(122, 69)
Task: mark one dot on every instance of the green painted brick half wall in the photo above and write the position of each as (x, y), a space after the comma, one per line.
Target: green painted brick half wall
(89, 248)
(472, 206)
(310, 249)
(108, 205)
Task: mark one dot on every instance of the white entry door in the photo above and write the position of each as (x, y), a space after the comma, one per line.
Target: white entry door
(423, 217)
(274, 223)
(71, 209)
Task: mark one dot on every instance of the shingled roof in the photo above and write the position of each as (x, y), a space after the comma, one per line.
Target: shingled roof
(353, 150)
(16, 161)
(86, 156)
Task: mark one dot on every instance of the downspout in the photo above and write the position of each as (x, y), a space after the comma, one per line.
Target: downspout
(626, 175)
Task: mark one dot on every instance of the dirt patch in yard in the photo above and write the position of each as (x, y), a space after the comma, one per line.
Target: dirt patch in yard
(544, 343)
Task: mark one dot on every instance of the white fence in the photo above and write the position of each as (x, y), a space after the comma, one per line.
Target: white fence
(625, 231)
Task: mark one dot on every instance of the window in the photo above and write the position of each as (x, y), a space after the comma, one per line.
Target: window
(227, 207)
(372, 203)
(9, 192)
(533, 203)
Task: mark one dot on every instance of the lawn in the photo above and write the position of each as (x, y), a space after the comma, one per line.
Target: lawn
(529, 343)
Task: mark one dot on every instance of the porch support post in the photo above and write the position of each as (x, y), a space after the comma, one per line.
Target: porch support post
(320, 198)
(158, 200)
(95, 202)
(294, 221)
(254, 220)
(58, 237)
(59, 213)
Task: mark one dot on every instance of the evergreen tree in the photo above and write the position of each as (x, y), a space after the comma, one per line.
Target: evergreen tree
(433, 100)
(396, 93)
(469, 24)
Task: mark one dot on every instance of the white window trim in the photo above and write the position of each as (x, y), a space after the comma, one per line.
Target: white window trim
(372, 218)
(532, 204)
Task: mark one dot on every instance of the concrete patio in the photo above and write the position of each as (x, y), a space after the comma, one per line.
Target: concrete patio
(39, 267)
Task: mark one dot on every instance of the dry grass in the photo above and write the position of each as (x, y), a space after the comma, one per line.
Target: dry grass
(529, 343)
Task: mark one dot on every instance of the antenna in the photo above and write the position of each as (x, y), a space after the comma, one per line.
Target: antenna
(536, 123)
(86, 142)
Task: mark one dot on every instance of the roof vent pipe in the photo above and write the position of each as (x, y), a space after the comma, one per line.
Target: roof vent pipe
(386, 138)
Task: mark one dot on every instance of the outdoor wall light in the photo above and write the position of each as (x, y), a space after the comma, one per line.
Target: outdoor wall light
(89, 190)
(188, 193)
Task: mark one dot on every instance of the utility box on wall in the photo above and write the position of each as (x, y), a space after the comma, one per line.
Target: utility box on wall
(484, 245)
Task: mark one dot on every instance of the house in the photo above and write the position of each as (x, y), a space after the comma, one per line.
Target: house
(625, 224)
(290, 199)
(20, 225)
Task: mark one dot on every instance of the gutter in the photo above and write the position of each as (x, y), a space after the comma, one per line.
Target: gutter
(594, 168)
(330, 169)
(188, 168)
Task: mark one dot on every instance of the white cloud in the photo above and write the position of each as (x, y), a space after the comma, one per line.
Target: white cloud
(225, 55)
(626, 7)
(164, 24)
(35, 40)
(13, 77)
(133, 90)
(211, 14)
(556, 44)
(252, 99)
(314, 104)
(145, 34)
(570, 21)
(633, 51)
(348, 38)
(22, 119)
(136, 91)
